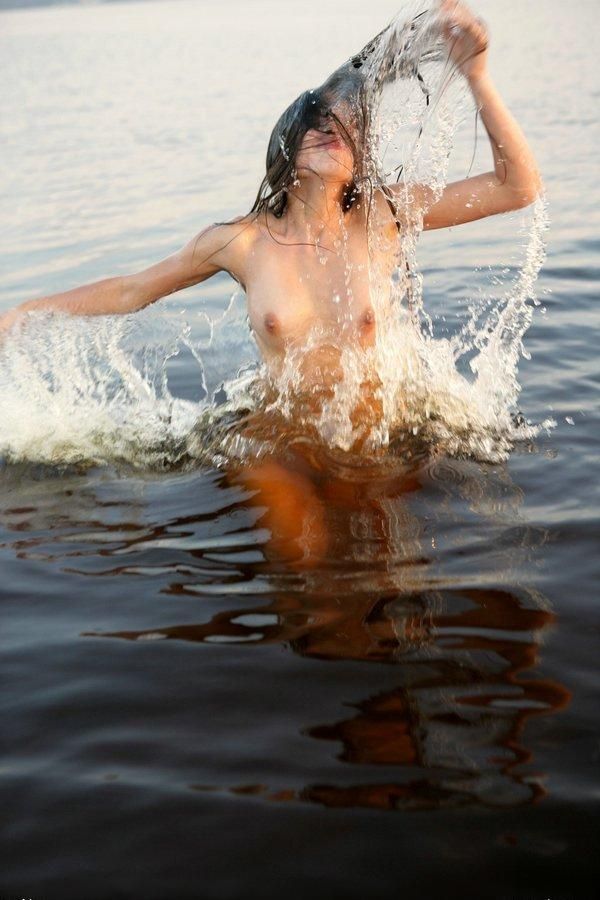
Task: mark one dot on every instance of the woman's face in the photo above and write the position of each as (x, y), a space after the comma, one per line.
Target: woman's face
(325, 153)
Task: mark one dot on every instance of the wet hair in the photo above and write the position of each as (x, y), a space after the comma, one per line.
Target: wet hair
(311, 110)
(357, 85)
(397, 52)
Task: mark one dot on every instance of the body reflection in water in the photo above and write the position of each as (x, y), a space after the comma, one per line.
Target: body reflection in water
(349, 549)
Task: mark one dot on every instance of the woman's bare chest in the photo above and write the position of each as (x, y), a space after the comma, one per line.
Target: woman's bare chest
(293, 292)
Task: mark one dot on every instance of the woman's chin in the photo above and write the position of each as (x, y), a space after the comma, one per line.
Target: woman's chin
(330, 174)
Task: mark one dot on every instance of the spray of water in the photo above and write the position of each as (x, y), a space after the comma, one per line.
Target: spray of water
(97, 390)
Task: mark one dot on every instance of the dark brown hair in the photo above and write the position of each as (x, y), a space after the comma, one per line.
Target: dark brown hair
(397, 52)
(312, 110)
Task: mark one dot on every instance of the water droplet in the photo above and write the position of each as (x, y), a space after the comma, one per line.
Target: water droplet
(569, 420)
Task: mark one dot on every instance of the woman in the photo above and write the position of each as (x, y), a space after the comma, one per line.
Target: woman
(271, 251)
(307, 237)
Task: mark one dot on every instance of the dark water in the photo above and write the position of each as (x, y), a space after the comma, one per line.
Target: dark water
(188, 711)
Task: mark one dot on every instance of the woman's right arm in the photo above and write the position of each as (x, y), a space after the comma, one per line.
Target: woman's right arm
(213, 250)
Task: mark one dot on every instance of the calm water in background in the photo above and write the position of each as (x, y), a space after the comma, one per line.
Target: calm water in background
(185, 717)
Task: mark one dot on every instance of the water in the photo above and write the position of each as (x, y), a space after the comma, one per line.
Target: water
(196, 705)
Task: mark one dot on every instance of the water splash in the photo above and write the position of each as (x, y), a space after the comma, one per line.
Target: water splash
(97, 391)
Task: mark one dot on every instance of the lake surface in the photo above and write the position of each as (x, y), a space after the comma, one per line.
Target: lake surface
(188, 713)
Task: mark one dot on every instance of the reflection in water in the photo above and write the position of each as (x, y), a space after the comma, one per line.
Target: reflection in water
(465, 687)
(459, 710)
(350, 566)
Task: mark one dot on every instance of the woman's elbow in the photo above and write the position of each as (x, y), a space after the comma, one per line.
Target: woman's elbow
(527, 193)
(531, 187)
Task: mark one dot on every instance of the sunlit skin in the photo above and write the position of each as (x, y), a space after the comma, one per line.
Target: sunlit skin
(307, 272)
(322, 263)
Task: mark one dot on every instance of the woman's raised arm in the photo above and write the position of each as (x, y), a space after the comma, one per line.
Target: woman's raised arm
(213, 250)
(515, 181)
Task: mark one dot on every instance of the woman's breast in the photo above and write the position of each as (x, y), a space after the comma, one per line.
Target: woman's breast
(279, 327)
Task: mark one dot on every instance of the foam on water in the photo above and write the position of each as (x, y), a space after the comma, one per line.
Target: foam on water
(96, 390)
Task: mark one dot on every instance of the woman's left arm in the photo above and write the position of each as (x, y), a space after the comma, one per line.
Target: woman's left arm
(515, 181)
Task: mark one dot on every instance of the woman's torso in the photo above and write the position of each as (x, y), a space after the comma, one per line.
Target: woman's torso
(315, 301)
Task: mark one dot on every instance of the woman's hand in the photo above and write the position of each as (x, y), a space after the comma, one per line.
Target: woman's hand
(515, 181)
(7, 320)
(467, 37)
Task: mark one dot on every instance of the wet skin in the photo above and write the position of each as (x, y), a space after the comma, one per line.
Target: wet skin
(332, 281)
(314, 272)
(311, 282)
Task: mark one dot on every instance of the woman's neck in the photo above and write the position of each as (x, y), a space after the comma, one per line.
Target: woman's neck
(314, 208)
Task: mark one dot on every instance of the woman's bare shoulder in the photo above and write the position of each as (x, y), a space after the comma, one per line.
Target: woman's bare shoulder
(383, 213)
(221, 235)
(226, 245)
